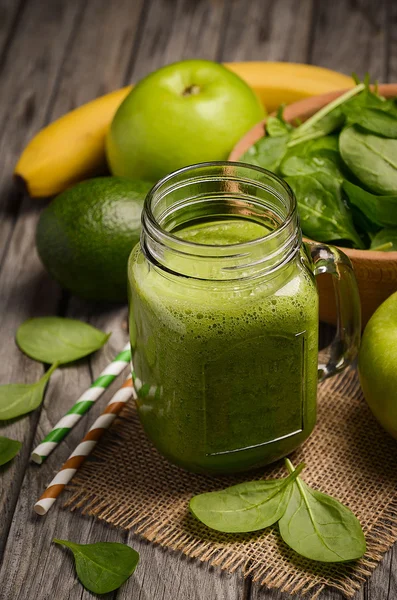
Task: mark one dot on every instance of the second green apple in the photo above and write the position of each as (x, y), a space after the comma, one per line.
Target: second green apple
(187, 112)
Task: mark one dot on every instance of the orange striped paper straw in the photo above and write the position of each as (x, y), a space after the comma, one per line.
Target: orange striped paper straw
(85, 448)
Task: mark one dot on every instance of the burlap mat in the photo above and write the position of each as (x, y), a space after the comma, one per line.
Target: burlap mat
(127, 483)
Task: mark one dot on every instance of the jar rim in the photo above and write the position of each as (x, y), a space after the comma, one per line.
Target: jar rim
(235, 185)
(167, 235)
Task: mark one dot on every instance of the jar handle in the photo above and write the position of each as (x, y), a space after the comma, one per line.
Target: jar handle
(343, 349)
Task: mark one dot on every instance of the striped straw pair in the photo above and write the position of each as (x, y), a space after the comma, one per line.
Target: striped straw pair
(85, 447)
(82, 405)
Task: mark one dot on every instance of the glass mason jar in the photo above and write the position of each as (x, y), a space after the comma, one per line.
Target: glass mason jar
(224, 318)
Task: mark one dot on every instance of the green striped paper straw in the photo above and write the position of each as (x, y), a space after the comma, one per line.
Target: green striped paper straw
(81, 406)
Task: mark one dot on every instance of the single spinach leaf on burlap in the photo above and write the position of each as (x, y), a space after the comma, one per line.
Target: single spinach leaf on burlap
(381, 210)
(8, 449)
(267, 152)
(55, 339)
(319, 527)
(322, 211)
(104, 566)
(17, 399)
(375, 120)
(244, 507)
(371, 158)
(385, 240)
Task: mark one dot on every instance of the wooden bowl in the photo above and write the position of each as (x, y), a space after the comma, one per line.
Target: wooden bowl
(376, 272)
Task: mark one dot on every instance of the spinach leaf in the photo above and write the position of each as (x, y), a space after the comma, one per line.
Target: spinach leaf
(310, 165)
(8, 449)
(104, 566)
(267, 152)
(369, 99)
(323, 214)
(319, 527)
(321, 154)
(381, 210)
(375, 120)
(244, 507)
(385, 240)
(326, 120)
(363, 225)
(326, 145)
(329, 123)
(55, 339)
(276, 126)
(17, 399)
(372, 159)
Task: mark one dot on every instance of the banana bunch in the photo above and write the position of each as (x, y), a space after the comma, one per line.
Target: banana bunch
(72, 148)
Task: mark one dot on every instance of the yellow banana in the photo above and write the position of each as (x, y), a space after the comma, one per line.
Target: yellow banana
(72, 148)
(283, 83)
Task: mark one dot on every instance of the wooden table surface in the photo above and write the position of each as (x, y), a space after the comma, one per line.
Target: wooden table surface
(54, 56)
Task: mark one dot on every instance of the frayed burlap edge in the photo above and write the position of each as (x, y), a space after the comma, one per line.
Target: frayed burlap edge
(313, 577)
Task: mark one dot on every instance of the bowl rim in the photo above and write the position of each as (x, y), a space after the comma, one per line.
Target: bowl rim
(306, 108)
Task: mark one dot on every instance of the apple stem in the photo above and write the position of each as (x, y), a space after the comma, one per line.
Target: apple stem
(192, 90)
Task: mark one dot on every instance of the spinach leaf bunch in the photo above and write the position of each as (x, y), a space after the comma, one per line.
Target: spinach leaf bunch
(342, 167)
(313, 524)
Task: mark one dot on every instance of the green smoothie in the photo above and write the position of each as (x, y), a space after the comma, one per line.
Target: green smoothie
(226, 371)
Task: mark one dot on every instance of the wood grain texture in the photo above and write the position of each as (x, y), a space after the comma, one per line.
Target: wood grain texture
(9, 17)
(29, 78)
(391, 28)
(45, 565)
(26, 289)
(169, 576)
(383, 583)
(32, 566)
(177, 30)
(350, 36)
(276, 30)
(25, 292)
(262, 593)
(98, 60)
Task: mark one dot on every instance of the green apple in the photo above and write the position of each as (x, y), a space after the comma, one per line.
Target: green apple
(377, 364)
(187, 112)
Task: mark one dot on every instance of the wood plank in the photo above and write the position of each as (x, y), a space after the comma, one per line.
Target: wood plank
(383, 583)
(29, 79)
(351, 37)
(175, 31)
(391, 74)
(25, 292)
(29, 554)
(26, 289)
(263, 593)
(9, 16)
(167, 575)
(33, 567)
(98, 60)
(267, 30)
